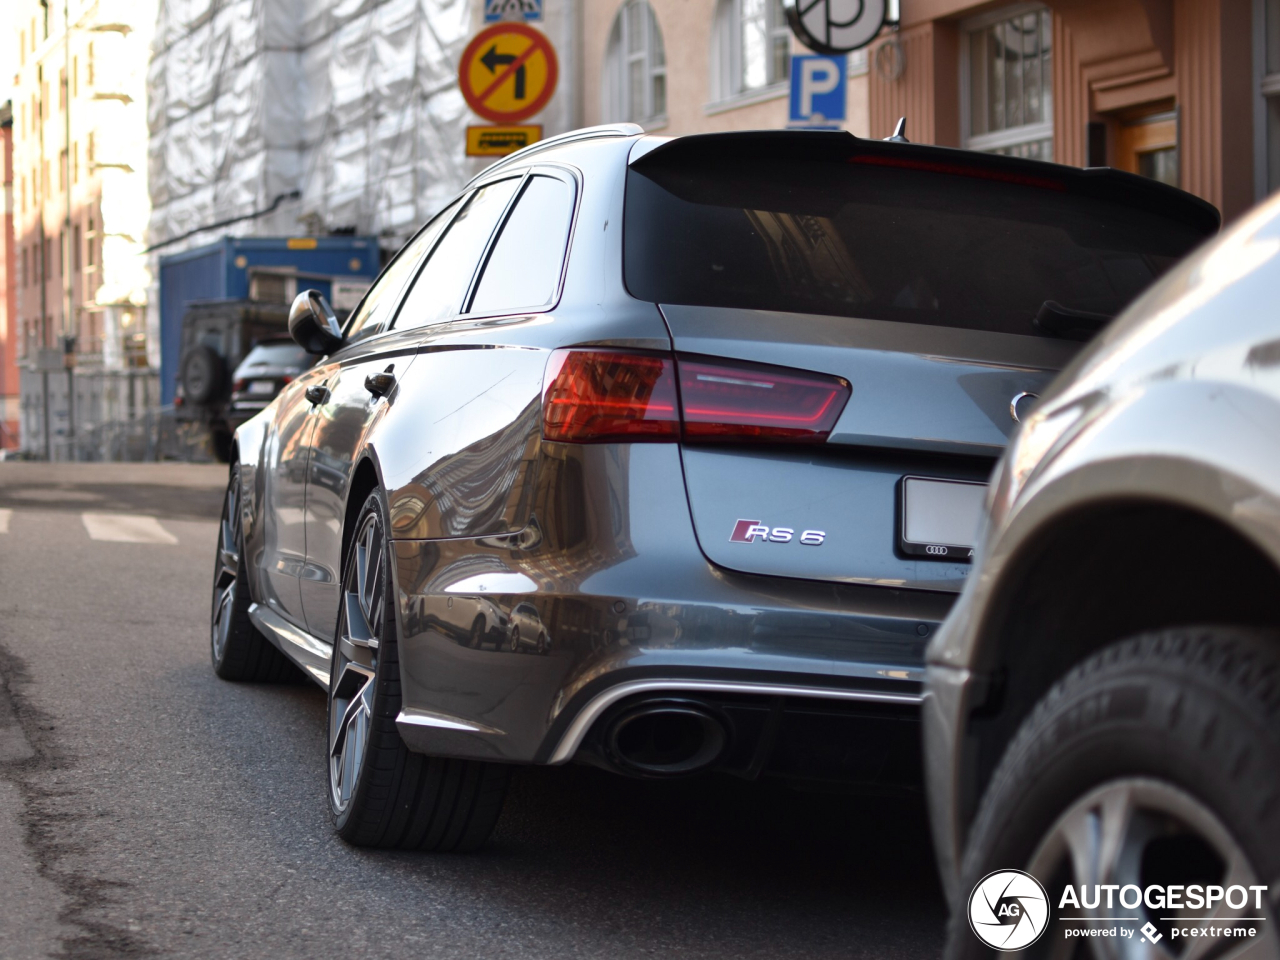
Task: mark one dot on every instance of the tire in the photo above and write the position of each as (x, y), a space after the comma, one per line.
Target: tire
(515, 639)
(477, 633)
(238, 650)
(1170, 738)
(542, 643)
(380, 793)
(203, 375)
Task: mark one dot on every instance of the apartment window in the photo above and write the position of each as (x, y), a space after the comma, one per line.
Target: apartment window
(26, 276)
(635, 66)
(1267, 71)
(76, 235)
(88, 151)
(75, 162)
(751, 47)
(62, 170)
(22, 48)
(90, 236)
(1007, 83)
(22, 194)
(62, 89)
(88, 65)
(75, 76)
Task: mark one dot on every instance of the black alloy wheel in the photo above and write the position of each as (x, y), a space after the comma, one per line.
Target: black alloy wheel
(380, 793)
(238, 650)
(1151, 765)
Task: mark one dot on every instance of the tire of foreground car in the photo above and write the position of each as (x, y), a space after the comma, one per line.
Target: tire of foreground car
(238, 650)
(380, 793)
(1166, 746)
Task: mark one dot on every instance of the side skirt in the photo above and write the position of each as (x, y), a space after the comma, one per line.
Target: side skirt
(311, 654)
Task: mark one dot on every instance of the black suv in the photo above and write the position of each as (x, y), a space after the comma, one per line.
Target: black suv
(216, 336)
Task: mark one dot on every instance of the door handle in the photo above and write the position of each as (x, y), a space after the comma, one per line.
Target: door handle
(380, 384)
(317, 393)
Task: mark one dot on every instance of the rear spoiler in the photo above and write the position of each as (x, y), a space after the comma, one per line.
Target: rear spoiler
(1102, 183)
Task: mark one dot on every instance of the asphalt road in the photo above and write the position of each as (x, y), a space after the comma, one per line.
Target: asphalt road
(149, 809)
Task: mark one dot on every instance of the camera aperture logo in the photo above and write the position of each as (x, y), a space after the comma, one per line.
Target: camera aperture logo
(1008, 910)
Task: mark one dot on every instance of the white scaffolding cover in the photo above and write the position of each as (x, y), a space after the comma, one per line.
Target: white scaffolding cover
(354, 103)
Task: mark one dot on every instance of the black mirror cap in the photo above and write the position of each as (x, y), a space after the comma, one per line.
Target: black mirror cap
(312, 323)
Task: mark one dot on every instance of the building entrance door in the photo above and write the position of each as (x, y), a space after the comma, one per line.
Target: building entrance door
(1149, 146)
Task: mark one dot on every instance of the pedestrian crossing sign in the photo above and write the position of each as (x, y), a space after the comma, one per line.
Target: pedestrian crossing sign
(495, 10)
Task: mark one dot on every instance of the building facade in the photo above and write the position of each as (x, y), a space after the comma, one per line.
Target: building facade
(696, 66)
(9, 299)
(1173, 89)
(80, 214)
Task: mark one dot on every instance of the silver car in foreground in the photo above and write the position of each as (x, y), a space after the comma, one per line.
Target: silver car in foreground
(1103, 703)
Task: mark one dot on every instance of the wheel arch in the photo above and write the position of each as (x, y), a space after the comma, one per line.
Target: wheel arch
(364, 480)
(1094, 575)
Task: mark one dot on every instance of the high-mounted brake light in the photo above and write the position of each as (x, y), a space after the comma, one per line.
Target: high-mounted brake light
(596, 396)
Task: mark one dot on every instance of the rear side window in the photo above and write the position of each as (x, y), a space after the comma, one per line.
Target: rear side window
(437, 293)
(524, 268)
(842, 239)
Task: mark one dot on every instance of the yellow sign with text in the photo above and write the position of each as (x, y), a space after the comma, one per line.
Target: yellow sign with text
(498, 141)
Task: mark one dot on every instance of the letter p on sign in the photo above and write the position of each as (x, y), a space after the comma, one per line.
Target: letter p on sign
(817, 91)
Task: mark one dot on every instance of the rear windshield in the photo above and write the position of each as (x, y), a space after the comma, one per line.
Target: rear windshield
(277, 355)
(885, 243)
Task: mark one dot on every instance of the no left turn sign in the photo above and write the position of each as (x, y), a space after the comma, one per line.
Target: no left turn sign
(508, 72)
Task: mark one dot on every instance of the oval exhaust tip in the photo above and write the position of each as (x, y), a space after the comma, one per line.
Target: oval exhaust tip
(667, 739)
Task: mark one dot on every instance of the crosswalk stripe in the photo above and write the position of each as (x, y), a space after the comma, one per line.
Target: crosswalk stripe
(5, 514)
(126, 528)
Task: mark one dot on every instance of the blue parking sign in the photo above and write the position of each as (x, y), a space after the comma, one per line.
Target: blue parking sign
(817, 91)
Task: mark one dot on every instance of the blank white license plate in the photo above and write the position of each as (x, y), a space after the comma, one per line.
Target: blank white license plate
(259, 388)
(940, 518)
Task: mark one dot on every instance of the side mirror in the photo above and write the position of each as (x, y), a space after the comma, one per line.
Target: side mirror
(313, 325)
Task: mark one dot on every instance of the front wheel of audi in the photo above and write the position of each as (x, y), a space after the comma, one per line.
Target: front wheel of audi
(380, 793)
(1145, 778)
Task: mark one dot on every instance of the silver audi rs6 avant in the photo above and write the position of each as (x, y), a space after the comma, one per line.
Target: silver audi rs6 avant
(664, 455)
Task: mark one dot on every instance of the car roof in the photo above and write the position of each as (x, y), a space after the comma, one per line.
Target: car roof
(1103, 183)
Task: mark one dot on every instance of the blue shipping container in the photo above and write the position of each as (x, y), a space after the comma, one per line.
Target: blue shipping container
(221, 271)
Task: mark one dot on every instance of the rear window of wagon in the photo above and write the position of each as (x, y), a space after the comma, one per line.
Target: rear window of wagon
(886, 243)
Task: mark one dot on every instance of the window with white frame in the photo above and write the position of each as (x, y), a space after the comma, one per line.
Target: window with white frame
(1268, 71)
(1007, 82)
(635, 66)
(750, 47)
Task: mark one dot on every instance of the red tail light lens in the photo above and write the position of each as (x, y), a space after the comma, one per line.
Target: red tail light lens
(596, 396)
(237, 386)
(728, 402)
(593, 396)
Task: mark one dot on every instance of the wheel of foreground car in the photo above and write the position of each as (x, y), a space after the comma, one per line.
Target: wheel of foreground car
(380, 793)
(238, 650)
(1153, 763)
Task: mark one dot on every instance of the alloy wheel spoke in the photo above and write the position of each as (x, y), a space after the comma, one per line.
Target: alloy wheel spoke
(1238, 873)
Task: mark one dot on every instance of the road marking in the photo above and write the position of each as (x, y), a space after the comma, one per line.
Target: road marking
(5, 514)
(126, 528)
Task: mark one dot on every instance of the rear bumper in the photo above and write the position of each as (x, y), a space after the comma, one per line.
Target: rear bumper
(619, 600)
(843, 665)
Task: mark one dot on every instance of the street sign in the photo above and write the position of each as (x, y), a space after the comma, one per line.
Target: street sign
(835, 26)
(498, 141)
(817, 92)
(508, 72)
(495, 10)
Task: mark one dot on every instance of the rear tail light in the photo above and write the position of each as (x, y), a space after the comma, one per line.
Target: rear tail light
(721, 402)
(593, 396)
(286, 379)
(237, 386)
